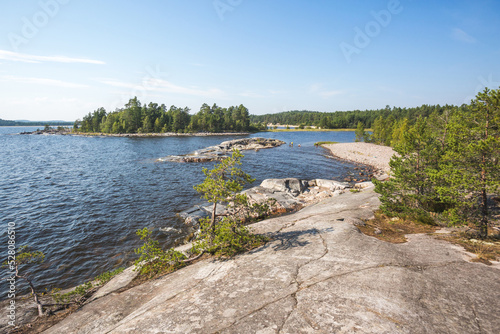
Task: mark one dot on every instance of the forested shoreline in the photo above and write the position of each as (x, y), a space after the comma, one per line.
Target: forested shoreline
(155, 118)
(4, 122)
(447, 164)
(350, 119)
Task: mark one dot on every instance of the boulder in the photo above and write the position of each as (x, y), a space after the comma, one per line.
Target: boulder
(290, 185)
(332, 184)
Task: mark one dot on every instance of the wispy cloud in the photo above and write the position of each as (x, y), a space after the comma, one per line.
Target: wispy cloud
(251, 94)
(15, 56)
(330, 93)
(42, 81)
(318, 90)
(159, 85)
(460, 35)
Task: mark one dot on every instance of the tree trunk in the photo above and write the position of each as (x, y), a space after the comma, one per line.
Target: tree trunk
(35, 295)
(483, 223)
(212, 223)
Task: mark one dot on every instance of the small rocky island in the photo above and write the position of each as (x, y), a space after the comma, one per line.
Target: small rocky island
(221, 151)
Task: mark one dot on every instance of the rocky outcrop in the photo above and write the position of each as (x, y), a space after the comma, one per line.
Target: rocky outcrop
(290, 194)
(221, 151)
(317, 274)
(50, 131)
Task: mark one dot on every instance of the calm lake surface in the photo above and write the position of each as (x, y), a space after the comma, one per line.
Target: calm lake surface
(80, 200)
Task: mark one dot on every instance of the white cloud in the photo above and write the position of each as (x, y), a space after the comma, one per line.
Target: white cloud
(460, 35)
(15, 56)
(318, 90)
(330, 93)
(42, 81)
(159, 85)
(251, 94)
(276, 92)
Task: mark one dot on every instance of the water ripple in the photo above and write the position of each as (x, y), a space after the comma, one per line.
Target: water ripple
(80, 200)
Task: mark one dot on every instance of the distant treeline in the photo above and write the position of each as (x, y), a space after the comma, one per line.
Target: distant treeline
(4, 122)
(349, 119)
(137, 118)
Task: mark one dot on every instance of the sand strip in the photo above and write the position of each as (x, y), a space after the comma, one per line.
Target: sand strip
(365, 153)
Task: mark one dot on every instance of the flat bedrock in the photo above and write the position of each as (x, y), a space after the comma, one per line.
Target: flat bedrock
(319, 274)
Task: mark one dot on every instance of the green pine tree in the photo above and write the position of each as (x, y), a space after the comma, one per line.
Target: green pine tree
(470, 168)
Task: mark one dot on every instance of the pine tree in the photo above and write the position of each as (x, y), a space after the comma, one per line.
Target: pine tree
(360, 132)
(470, 168)
(225, 234)
(411, 191)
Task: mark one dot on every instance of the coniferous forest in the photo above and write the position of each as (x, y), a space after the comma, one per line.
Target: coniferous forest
(349, 119)
(447, 164)
(154, 118)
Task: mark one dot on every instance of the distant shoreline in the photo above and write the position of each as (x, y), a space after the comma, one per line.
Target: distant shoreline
(166, 134)
(305, 130)
(139, 135)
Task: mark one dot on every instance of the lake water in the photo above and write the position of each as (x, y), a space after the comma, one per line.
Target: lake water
(80, 200)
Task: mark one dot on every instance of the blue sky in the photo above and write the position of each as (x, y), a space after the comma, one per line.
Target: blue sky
(60, 59)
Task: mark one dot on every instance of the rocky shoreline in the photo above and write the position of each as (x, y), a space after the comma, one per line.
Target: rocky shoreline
(68, 132)
(317, 271)
(223, 150)
(288, 195)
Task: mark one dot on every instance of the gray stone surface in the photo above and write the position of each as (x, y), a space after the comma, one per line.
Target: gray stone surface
(223, 150)
(291, 194)
(289, 185)
(319, 274)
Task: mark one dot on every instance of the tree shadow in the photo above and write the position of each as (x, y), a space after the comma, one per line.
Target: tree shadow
(291, 239)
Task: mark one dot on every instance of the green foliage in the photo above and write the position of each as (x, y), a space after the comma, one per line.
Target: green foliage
(153, 259)
(74, 296)
(446, 165)
(411, 190)
(225, 180)
(137, 118)
(26, 256)
(107, 276)
(470, 168)
(229, 238)
(319, 143)
(350, 119)
(360, 132)
(227, 235)
(81, 292)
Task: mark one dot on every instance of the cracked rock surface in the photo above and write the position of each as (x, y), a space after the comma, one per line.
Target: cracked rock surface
(319, 274)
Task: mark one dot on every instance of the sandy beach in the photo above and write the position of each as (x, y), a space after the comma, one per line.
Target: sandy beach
(365, 153)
